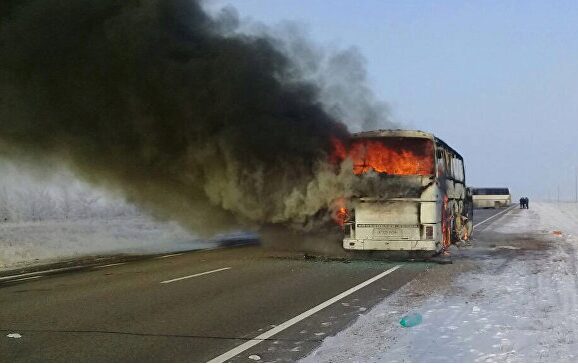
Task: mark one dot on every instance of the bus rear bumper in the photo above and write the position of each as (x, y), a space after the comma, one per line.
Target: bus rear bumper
(367, 244)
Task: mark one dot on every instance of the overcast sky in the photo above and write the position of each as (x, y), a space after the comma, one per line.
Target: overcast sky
(497, 80)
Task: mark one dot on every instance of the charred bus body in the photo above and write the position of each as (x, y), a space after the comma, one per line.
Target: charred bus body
(415, 196)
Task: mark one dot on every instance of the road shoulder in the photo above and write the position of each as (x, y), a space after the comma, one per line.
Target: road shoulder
(481, 308)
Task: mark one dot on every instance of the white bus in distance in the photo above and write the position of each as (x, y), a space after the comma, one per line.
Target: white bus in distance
(419, 200)
(491, 197)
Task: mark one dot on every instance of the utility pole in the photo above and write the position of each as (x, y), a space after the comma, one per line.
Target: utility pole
(576, 184)
(558, 193)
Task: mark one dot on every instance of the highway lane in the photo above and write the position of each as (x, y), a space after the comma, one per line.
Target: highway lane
(191, 307)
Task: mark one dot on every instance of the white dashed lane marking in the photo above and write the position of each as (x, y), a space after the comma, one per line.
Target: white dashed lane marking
(195, 275)
(169, 255)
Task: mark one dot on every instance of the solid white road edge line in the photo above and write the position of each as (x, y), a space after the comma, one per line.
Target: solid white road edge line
(25, 279)
(496, 215)
(64, 269)
(7, 278)
(195, 275)
(277, 329)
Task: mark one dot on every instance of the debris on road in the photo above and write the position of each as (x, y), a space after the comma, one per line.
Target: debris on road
(14, 335)
(411, 320)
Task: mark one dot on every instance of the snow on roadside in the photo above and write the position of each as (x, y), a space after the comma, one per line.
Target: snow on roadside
(25, 243)
(48, 215)
(519, 305)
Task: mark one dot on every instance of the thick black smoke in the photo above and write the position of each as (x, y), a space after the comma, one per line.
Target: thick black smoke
(150, 99)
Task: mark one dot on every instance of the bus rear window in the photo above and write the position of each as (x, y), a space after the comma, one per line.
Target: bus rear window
(491, 191)
(392, 155)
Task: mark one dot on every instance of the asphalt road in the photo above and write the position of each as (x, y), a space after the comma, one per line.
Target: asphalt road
(235, 304)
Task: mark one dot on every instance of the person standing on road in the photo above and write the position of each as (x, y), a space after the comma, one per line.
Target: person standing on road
(521, 202)
(527, 200)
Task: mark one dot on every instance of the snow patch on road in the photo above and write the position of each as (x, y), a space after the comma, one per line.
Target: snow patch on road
(520, 305)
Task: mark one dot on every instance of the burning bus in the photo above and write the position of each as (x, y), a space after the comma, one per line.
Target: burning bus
(413, 194)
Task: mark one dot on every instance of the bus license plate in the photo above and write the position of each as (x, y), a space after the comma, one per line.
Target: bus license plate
(391, 231)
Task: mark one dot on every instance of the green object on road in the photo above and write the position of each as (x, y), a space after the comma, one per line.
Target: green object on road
(413, 319)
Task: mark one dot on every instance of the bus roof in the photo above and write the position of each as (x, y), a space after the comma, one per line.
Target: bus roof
(394, 133)
(403, 133)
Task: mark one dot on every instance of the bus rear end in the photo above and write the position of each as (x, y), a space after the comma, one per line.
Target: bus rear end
(401, 209)
(393, 225)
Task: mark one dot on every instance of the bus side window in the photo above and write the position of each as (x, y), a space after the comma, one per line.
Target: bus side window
(448, 159)
(458, 169)
(441, 170)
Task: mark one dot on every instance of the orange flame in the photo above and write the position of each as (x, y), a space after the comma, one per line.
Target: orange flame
(446, 233)
(342, 215)
(340, 212)
(393, 156)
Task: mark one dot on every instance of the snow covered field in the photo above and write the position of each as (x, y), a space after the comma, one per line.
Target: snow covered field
(518, 303)
(29, 242)
(48, 215)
